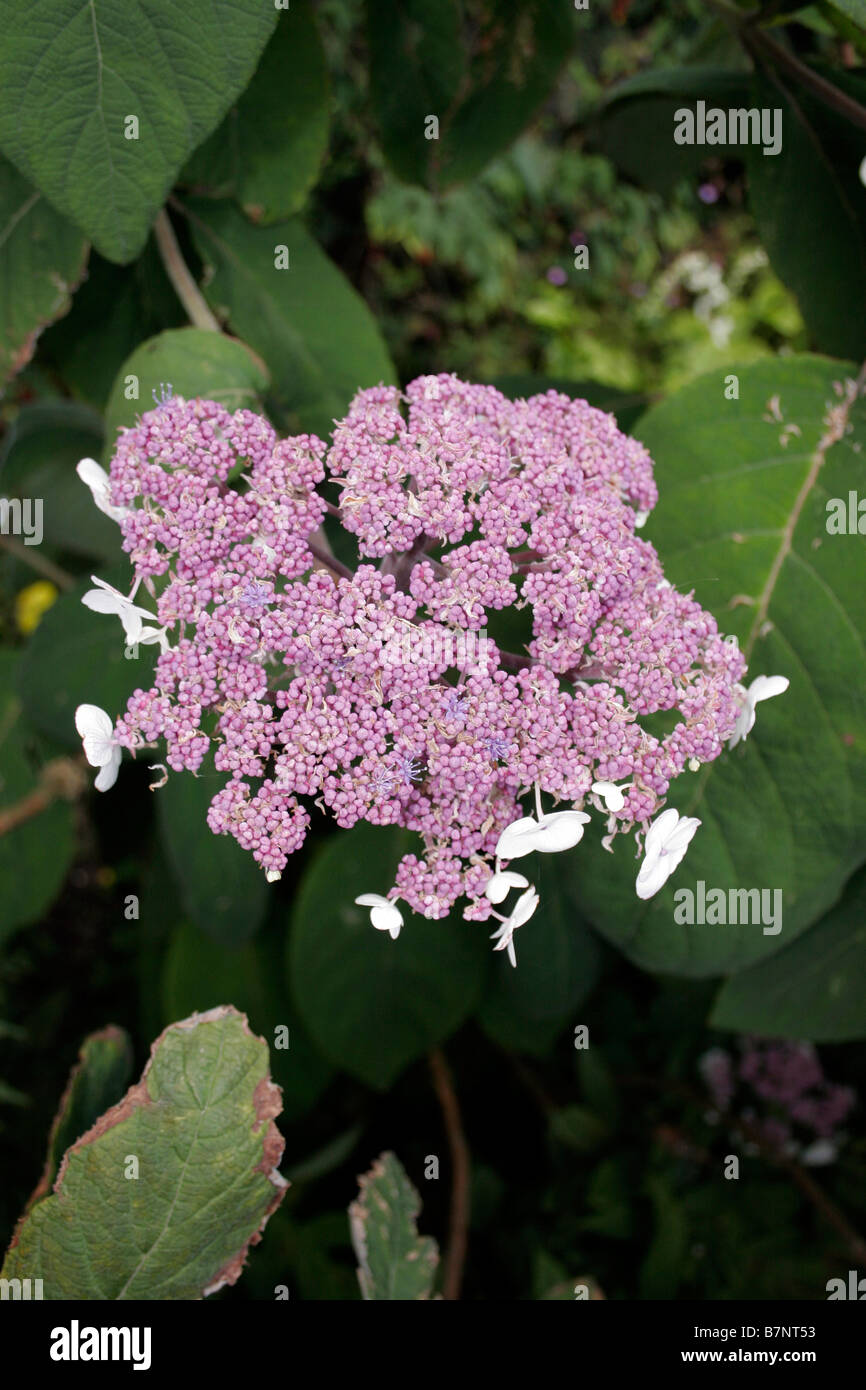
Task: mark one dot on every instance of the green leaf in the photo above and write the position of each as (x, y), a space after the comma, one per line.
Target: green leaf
(483, 71)
(77, 657)
(394, 1261)
(35, 855)
(742, 518)
(38, 459)
(267, 152)
(221, 886)
(199, 970)
(558, 964)
(662, 1270)
(314, 332)
(373, 1005)
(200, 1125)
(417, 61)
(42, 260)
(814, 989)
(854, 9)
(194, 362)
(636, 125)
(96, 1082)
(818, 167)
(574, 1127)
(71, 76)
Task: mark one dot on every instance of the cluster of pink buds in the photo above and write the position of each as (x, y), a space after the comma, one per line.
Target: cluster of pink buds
(780, 1087)
(355, 692)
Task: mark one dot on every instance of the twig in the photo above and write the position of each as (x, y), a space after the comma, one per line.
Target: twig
(458, 1217)
(28, 556)
(330, 562)
(62, 778)
(177, 271)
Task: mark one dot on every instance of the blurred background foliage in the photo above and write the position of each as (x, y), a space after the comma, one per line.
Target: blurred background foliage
(408, 257)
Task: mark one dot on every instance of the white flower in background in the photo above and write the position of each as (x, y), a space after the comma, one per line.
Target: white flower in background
(94, 476)
(667, 840)
(521, 913)
(611, 794)
(384, 914)
(762, 688)
(100, 749)
(549, 834)
(106, 599)
(819, 1153)
(501, 884)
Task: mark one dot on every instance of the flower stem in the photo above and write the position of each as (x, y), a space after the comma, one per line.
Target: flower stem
(458, 1219)
(178, 273)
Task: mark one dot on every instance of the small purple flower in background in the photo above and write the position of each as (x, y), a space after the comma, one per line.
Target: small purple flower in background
(557, 276)
(456, 708)
(166, 393)
(497, 748)
(385, 782)
(255, 596)
(410, 767)
(708, 193)
(784, 1095)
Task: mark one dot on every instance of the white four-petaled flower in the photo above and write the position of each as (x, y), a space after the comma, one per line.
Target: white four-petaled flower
(384, 914)
(520, 913)
(500, 885)
(100, 747)
(106, 599)
(548, 834)
(667, 840)
(762, 688)
(611, 794)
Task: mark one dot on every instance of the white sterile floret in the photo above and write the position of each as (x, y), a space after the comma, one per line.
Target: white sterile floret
(384, 914)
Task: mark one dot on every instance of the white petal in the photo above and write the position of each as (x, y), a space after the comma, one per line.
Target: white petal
(384, 915)
(517, 839)
(107, 775)
(610, 794)
(523, 908)
(93, 475)
(765, 687)
(93, 722)
(651, 876)
(500, 885)
(658, 832)
(678, 842)
(273, 876)
(560, 830)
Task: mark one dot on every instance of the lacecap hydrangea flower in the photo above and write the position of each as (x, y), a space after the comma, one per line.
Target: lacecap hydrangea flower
(376, 693)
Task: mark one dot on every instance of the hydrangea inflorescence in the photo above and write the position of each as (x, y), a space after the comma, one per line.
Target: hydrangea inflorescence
(376, 694)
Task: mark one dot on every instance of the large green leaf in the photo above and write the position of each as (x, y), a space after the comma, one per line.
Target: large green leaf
(316, 335)
(71, 76)
(42, 259)
(371, 1004)
(194, 362)
(267, 152)
(77, 657)
(178, 1223)
(822, 258)
(199, 970)
(743, 487)
(395, 1263)
(558, 963)
(814, 989)
(483, 69)
(96, 1082)
(222, 888)
(637, 122)
(38, 459)
(35, 855)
